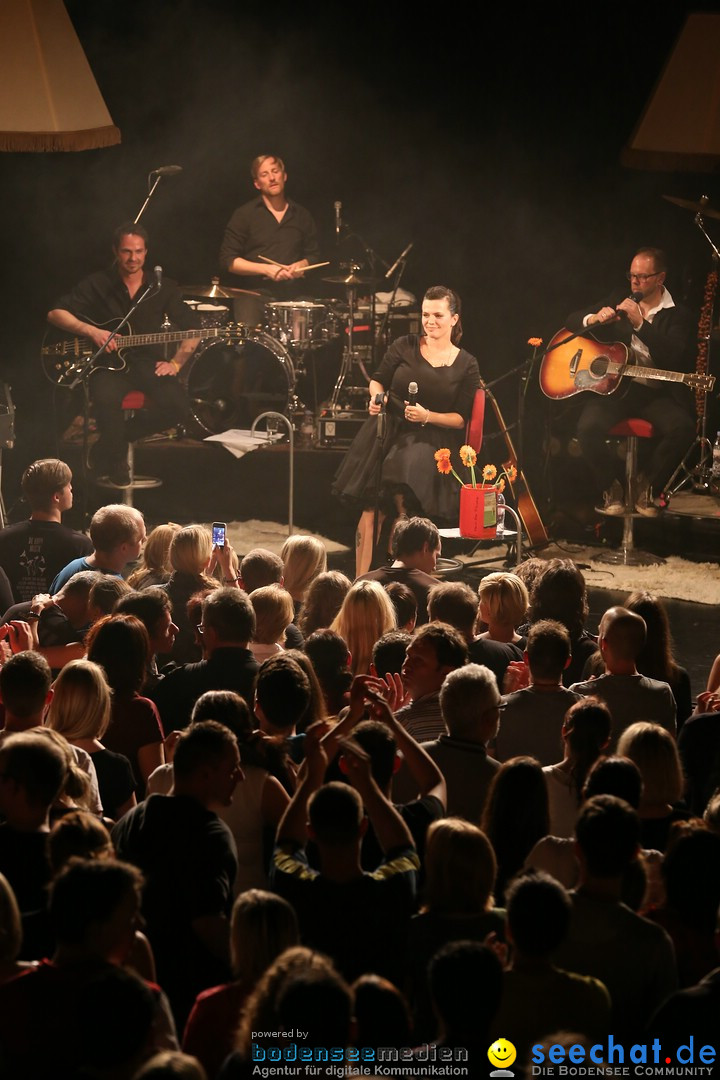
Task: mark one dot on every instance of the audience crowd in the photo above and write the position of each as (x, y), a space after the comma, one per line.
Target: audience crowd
(250, 808)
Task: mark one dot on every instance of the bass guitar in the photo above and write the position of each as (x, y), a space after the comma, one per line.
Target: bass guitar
(66, 359)
(573, 363)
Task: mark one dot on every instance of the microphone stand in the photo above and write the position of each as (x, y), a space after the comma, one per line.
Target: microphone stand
(151, 192)
(84, 378)
(380, 444)
(373, 259)
(384, 325)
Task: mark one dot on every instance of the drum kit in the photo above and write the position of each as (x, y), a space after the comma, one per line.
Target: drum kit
(303, 358)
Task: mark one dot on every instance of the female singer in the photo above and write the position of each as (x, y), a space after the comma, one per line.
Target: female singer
(447, 378)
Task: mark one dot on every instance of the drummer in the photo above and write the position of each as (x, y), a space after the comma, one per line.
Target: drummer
(273, 226)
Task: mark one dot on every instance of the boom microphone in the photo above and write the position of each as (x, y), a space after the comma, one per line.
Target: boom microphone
(167, 170)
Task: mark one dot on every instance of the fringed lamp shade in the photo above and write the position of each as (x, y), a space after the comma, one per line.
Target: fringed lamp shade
(49, 99)
(680, 127)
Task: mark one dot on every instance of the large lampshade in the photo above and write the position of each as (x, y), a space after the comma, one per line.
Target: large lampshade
(49, 99)
(680, 127)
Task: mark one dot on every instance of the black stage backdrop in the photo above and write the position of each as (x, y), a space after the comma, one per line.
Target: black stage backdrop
(489, 136)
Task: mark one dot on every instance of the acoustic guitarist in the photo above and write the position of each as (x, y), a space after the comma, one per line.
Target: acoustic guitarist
(658, 333)
(91, 310)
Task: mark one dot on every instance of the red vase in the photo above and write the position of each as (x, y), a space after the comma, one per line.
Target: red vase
(478, 512)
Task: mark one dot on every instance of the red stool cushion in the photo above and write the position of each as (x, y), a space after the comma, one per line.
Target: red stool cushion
(134, 400)
(642, 429)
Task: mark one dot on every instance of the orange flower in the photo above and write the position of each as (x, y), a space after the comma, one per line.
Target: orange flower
(511, 473)
(501, 484)
(536, 342)
(442, 455)
(489, 472)
(443, 465)
(468, 456)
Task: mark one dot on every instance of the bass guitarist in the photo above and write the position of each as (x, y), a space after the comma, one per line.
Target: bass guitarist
(91, 311)
(658, 334)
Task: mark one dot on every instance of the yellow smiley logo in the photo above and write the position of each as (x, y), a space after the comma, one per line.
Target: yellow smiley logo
(502, 1054)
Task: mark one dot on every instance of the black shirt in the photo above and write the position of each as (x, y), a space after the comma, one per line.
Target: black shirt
(32, 553)
(103, 298)
(229, 668)
(253, 230)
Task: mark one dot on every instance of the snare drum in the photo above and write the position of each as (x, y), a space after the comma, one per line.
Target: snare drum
(297, 323)
(230, 385)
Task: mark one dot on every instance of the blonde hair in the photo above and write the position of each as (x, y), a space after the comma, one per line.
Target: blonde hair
(655, 753)
(274, 610)
(10, 923)
(262, 926)
(155, 556)
(366, 614)
(190, 551)
(77, 789)
(505, 597)
(80, 707)
(304, 557)
(460, 868)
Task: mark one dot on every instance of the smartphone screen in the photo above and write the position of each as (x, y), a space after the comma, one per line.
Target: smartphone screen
(219, 529)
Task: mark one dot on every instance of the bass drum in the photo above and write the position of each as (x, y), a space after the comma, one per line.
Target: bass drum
(230, 385)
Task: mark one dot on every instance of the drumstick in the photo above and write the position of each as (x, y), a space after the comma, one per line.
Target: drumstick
(284, 266)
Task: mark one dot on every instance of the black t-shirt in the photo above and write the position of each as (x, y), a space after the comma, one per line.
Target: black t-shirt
(189, 860)
(494, 654)
(361, 924)
(115, 780)
(24, 863)
(33, 552)
(103, 298)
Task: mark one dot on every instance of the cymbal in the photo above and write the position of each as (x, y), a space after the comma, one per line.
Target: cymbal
(351, 279)
(216, 290)
(696, 207)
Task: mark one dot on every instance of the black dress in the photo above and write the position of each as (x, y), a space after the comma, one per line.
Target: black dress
(409, 449)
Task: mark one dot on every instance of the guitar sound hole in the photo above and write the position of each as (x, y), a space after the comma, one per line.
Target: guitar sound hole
(599, 366)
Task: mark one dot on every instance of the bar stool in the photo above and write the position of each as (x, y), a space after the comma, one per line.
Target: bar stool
(627, 554)
(132, 401)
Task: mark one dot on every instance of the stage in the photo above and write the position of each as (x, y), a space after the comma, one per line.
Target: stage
(202, 481)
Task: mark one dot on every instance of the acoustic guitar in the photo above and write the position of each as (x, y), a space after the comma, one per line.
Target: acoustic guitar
(574, 362)
(526, 508)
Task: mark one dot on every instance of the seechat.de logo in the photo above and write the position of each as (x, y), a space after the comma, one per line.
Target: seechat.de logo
(502, 1054)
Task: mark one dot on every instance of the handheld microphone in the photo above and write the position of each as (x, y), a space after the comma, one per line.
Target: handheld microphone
(158, 272)
(412, 393)
(167, 170)
(338, 217)
(636, 297)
